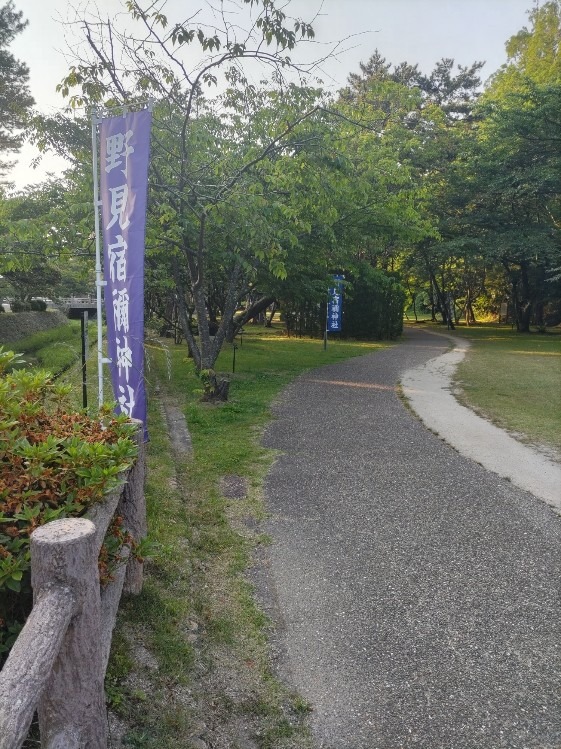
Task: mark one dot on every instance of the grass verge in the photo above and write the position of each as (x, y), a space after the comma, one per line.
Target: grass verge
(514, 379)
(56, 349)
(190, 665)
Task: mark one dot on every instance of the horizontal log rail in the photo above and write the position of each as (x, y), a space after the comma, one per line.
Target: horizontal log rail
(44, 632)
(57, 664)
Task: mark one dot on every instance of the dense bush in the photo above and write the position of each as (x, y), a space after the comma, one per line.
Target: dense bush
(373, 306)
(35, 305)
(38, 305)
(17, 306)
(53, 464)
(304, 318)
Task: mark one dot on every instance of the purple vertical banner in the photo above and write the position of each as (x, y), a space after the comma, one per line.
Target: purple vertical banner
(335, 306)
(124, 155)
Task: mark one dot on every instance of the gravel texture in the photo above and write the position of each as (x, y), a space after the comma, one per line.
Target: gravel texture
(415, 594)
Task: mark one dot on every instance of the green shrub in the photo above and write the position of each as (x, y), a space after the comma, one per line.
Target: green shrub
(38, 305)
(17, 306)
(304, 318)
(53, 464)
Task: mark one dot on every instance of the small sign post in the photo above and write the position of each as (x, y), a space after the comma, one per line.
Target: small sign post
(81, 309)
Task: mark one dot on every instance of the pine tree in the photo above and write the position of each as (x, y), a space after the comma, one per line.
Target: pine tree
(15, 98)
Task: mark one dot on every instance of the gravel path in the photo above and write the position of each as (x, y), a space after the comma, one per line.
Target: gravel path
(416, 595)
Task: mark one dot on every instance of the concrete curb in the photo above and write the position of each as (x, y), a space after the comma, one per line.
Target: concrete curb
(428, 390)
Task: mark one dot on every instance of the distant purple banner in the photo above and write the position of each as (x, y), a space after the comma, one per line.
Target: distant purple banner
(124, 152)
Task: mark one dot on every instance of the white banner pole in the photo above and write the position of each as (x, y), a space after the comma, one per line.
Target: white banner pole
(99, 282)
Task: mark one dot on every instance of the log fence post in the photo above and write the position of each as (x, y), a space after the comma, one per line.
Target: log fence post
(23, 679)
(133, 509)
(72, 713)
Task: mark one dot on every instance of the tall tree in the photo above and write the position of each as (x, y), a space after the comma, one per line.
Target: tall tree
(515, 178)
(455, 92)
(205, 173)
(429, 117)
(15, 99)
(534, 53)
(517, 167)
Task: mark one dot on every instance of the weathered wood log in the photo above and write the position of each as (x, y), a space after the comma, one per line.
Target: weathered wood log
(101, 515)
(72, 713)
(23, 678)
(110, 599)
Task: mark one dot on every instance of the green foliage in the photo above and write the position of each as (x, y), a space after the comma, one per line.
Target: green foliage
(373, 309)
(55, 349)
(35, 305)
(45, 239)
(513, 184)
(17, 306)
(533, 53)
(52, 464)
(259, 191)
(453, 92)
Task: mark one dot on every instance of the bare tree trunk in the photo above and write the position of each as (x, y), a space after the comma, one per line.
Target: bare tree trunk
(469, 313)
(520, 296)
(230, 305)
(271, 317)
(447, 317)
(254, 309)
(184, 321)
(525, 304)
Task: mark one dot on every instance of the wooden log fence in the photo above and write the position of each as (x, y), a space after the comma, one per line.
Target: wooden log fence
(57, 664)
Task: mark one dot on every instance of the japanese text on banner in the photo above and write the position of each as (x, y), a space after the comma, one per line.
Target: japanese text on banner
(124, 176)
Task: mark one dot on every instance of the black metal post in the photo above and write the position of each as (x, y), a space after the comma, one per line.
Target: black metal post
(84, 330)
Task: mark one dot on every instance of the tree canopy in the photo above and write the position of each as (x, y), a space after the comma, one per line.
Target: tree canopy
(259, 192)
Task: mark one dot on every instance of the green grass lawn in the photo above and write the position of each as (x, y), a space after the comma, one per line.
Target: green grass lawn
(515, 380)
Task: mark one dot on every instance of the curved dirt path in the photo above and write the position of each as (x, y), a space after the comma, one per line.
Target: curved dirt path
(415, 594)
